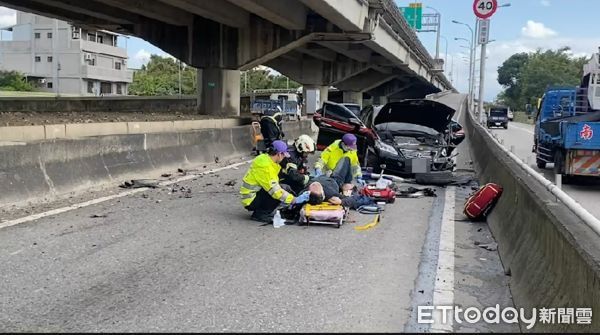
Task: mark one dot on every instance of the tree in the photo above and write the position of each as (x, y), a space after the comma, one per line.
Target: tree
(258, 78)
(509, 77)
(161, 77)
(14, 81)
(526, 76)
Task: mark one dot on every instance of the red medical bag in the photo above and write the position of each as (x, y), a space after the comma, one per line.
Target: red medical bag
(481, 202)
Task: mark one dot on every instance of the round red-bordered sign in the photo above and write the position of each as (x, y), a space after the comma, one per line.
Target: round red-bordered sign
(483, 9)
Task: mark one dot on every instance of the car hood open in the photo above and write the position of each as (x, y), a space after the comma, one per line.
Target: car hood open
(423, 112)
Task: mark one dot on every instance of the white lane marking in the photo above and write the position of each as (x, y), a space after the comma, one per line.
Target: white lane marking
(16, 252)
(443, 291)
(521, 128)
(34, 217)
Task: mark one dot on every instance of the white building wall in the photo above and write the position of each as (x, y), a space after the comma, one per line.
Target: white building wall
(22, 33)
(75, 72)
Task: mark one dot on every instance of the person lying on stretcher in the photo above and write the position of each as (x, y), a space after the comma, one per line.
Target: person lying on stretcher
(325, 188)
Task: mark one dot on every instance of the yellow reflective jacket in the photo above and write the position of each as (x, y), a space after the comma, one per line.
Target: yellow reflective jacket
(263, 173)
(332, 155)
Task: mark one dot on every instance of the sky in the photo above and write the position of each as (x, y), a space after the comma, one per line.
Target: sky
(524, 26)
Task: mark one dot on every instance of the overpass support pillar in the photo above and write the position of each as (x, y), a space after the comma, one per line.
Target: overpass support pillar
(353, 97)
(380, 100)
(219, 91)
(313, 97)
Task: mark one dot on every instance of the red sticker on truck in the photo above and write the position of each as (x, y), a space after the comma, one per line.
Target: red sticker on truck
(586, 133)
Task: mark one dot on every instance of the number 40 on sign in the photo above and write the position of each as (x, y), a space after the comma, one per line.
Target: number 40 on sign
(484, 9)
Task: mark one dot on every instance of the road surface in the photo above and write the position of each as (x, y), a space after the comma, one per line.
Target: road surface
(520, 136)
(156, 260)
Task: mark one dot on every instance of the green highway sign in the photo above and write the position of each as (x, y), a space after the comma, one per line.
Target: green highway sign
(413, 14)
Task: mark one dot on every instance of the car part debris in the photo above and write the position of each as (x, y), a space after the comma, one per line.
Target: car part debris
(490, 246)
(413, 192)
(138, 183)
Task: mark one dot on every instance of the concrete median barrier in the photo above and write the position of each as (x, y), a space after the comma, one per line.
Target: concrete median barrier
(553, 257)
(42, 170)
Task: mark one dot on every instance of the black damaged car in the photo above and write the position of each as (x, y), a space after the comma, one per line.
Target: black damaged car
(409, 136)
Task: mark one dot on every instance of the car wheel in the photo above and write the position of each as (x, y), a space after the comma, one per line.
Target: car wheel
(373, 162)
(434, 178)
(559, 163)
(506, 126)
(540, 164)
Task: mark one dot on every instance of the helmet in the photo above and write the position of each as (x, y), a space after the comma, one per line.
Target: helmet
(305, 143)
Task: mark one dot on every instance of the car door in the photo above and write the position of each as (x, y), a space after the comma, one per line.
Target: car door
(333, 123)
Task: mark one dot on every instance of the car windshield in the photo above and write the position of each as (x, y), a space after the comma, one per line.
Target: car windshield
(400, 127)
(498, 112)
(354, 109)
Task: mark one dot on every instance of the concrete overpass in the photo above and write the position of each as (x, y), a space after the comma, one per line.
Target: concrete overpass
(355, 45)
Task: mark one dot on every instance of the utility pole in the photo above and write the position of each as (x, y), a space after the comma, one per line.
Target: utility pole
(483, 24)
(179, 78)
(55, 62)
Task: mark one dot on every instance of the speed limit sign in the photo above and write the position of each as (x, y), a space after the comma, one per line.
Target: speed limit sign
(484, 8)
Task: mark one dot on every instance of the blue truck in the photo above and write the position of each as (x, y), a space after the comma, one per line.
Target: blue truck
(567, 132)
(269, 99)
(567, 126)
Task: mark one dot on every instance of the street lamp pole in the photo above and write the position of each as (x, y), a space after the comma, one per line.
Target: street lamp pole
(482, 72)
(446, 55)
(471, 69)
(471, 65)
(439, 26)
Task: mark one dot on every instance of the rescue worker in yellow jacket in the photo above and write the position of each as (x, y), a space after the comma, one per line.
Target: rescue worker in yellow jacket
(261, 192)
(341, 157)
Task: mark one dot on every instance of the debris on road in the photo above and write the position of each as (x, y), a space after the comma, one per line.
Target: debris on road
(166, 175)
(99, 215)
(413, 192)
(185, 192)
(231, 183)
(490, 246)
(445, 178)
(139, 183)
(217, 159)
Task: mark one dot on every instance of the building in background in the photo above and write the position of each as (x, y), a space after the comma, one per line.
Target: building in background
(66, 59)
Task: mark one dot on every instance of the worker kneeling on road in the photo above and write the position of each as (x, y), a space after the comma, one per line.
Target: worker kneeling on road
(294, 169)
(270, 126)
(341, 156)
(260, 191)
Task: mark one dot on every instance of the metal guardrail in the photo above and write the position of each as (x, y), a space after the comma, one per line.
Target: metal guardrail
(571, 203)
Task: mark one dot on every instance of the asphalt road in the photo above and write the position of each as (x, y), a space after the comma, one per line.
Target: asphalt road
(199, 264)
(157, 261)
(520, 136)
